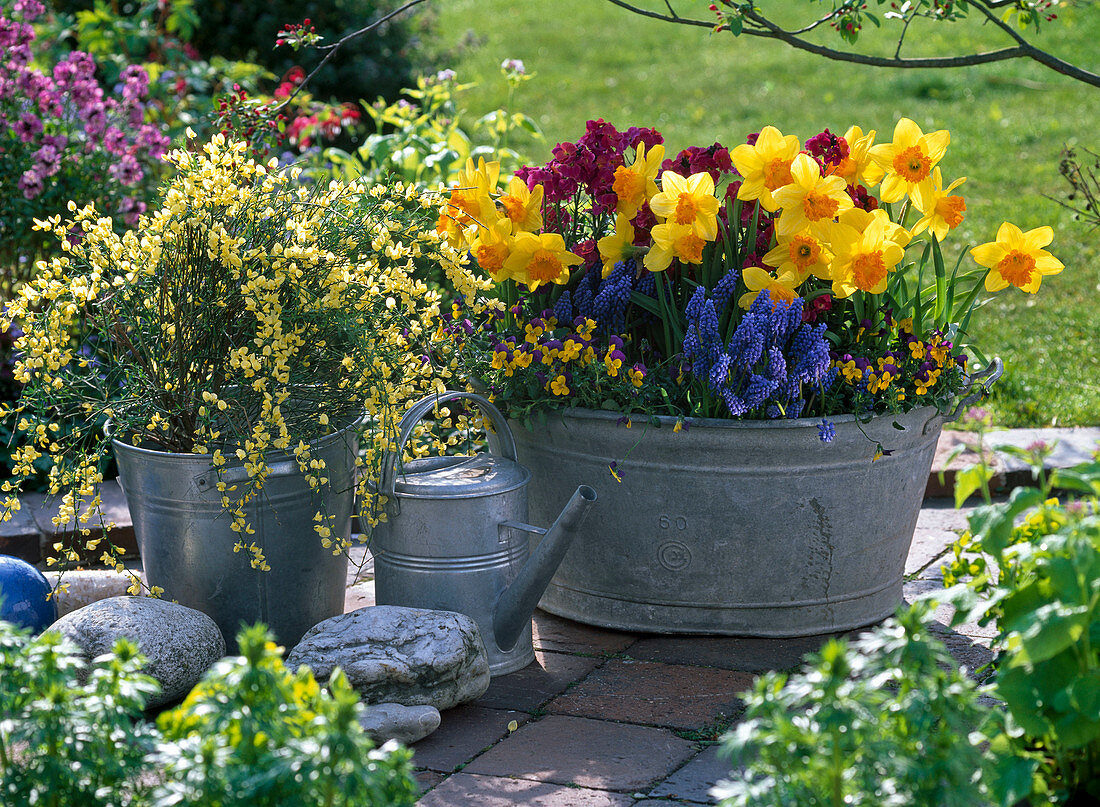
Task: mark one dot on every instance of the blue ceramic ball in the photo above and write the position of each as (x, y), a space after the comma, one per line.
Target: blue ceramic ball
(23, 595)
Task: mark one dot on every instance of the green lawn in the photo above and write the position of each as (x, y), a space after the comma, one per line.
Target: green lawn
(1009, 122)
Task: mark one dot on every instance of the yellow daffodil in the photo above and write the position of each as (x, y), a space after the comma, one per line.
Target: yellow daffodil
(765, 166)
(809, 200)
(863, 257)
(779, 288)
(619, 245)
(859, 219)
(521, 206)
(801, 254)
(670, 241)
(469, 202)
(858, 168)
(909, 159)
(688, 201)
(941, 211)
(492, 247)
(635, 184)
(538, 259)
(1017, 258)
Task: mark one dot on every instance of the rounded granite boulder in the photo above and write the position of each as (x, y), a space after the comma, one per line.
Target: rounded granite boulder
(179, 643)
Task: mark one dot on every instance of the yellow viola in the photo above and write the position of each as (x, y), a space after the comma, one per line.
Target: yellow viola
(801, 254)
(1017, 258)
(765, 166)
(909, 159)
(688, 201)
(671, 240)
(619, 245)
(863, 257)
(521, 206)
(942, 212)
(779, 288)
(538, 259)
(809, 200)
(636, 184)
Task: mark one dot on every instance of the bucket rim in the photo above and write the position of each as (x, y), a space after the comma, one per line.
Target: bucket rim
(923, 415)
(276, 455)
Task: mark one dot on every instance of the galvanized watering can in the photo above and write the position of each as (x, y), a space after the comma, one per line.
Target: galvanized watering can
(455, 538)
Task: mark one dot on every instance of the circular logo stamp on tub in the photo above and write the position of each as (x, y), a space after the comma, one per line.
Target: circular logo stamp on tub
(674, 555)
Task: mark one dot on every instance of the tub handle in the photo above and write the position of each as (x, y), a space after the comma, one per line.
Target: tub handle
(502, 443)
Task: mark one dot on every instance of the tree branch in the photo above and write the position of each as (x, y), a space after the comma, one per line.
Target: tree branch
(762, 27)
(335, 46)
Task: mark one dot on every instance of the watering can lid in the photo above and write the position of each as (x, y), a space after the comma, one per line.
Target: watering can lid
(459, 477)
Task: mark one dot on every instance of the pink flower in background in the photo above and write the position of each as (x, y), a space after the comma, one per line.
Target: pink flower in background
(31, 184)
(114, 140)
(47, 160)
(127, 170)
(28, 127)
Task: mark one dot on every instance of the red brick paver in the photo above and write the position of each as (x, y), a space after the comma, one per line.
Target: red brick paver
(589, 753)
(498, 791)
(673, 695)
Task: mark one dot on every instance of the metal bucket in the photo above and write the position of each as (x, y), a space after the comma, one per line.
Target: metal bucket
(187, 545)
(733, 527)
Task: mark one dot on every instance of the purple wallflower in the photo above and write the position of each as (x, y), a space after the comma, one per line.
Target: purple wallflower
(127, 170)
(30, 182)
(826, 431)
(28, 127)
(47, 160)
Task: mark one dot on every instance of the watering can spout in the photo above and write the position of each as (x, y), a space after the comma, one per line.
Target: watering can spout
(517, 602)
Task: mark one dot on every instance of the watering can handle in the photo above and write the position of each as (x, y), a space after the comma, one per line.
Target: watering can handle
(502, 443)
(987, 377)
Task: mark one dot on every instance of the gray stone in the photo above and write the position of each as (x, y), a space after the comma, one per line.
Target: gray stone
(178, 642)
(392, 721)
(391, 654)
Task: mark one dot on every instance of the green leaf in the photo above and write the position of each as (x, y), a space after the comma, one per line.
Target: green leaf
(1013, 775)
(1051, 634)
(941, 282)
(643, 301)
(970, 480)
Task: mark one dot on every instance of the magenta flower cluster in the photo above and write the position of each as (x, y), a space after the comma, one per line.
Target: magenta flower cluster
(588, 165)
(62, 130)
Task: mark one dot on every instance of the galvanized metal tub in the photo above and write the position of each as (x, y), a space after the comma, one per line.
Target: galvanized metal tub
(187, 545)
(753, 528)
